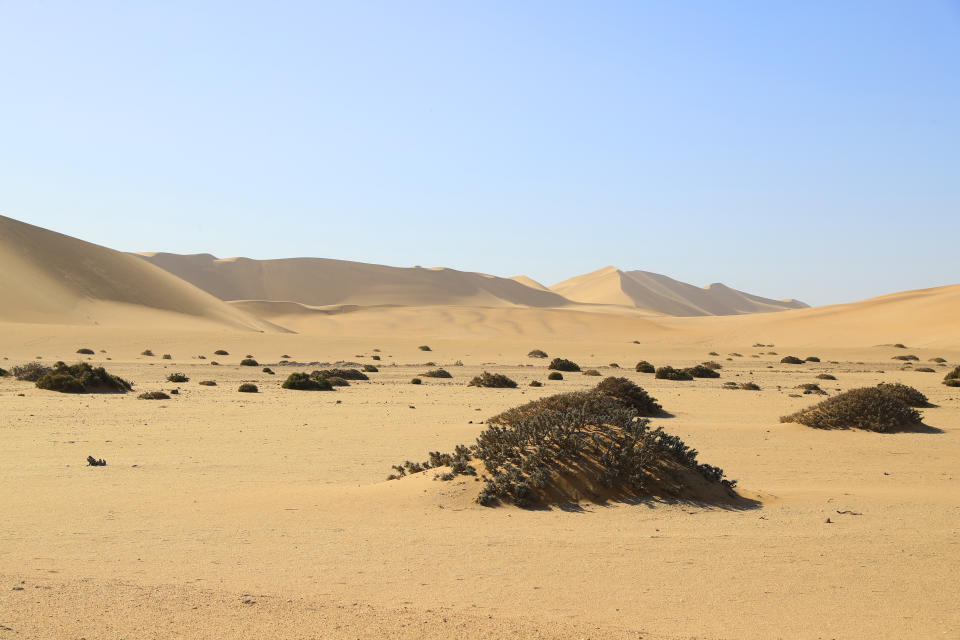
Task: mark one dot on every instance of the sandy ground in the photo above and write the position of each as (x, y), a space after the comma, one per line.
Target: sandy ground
(227, 515)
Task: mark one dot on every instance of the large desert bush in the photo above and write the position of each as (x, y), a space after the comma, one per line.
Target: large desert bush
(437, 373)
(30, 372)
(346, 374)
(537, 353)
(904, 393)
(562, 364)
(952, 379)
(81, 378)
(701, 371)
(630, 395)
(645, 367)
(249, 362)
(791, 360)
(492, 380)
(669, 373)
(301, 381)
(869, 408)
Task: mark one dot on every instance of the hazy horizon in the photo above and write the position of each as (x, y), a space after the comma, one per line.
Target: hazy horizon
(793, 151)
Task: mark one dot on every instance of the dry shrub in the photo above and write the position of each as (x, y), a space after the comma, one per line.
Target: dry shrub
(868, 408)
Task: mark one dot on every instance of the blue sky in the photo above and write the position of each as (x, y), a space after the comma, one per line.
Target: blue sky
(790, 149)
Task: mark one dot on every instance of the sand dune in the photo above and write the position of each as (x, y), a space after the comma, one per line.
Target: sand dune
(660, 294)
(47, 277)
(322, 281)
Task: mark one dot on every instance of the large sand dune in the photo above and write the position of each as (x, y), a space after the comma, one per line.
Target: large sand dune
(321, 281)
(47, 277)
(660, 294)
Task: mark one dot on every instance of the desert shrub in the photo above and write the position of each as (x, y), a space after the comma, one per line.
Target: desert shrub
(629, 394)
(424, 347)
(214, 363)
(305, 382)
(375, 357)
(907, 357)
(177, 377)
(166, 356)
(369, 368)
(591, 372)
(900, 345)
(669, 373)
(791, 360)
(346, 374)
(749, 386)
(869, 408)
(712, 365)
(904, 393)
(208, 383)
(221, 352)
(493, 381)
(809, 386)
(826, 376)
(94, 462)
(953, 375)
(30, 372)
(938, 360)
(146, 352)
(925, 370)
(247, 387)
(536, 383)
(952, 382)
(3, 372)
(153, 395)
(81, 378)
(416, 381)
(701, 371)
(812, 359)
(735, 354)
(713, 353)
(562, 364)
(613, 365)
(645, 367)
(269, 371)
(249, 362)
(338, 382)
(537, 353)
(437, 373)
(555, 375)
(85, 351)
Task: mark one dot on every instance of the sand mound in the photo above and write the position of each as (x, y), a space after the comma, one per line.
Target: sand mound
(47, 277)
(660, 294)
(322, 282)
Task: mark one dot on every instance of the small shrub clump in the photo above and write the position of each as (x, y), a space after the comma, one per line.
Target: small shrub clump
(153, 395)
(269, 371)
(591, 372)
(437, 373)
(925, 370)
(369, 368)
(869, 408)
(492, 381)
(645, 367)
(30, 372)
(85, 351)
(630, 395)
(177, 377)
(826, 376)
(338, 382)
(221, 352)
(952, 379)
(305, 382)
(701, 371)
(146, 352)
(424, 347)
(346, 374)
(416, 381)
(537, 353)
(555, 375)
(904, 393)
(96, 462)
(907, 357)
(669, 373)
(562, 364)
(791, 360)
(81, 378)
(247, 387)
(938, 360)
(536, 383)
(166, 356)
(750, 386)
(812, 359)
(249, 362)
(207, 383)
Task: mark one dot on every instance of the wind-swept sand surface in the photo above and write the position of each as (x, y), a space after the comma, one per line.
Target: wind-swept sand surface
(227, 515)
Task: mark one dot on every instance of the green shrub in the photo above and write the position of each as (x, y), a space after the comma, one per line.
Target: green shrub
(868, 408)
(305, 382)
(645, 367)
(591, 372)
(537, 353)
(247, 387)
(369, 368)
(177, 377)
(437, 373)
(416, 381)
(493, 381)
(904, 393)
(269, 371)
(146, 352)
(424, 347)
(338, 382)
(85, 351)
(249, 362)
(712, 365)
(153, 395)
(629, 395)
(669, 373)
(952, 382)
(562, 364)
(791, 360)
(30, 372)
(701, 371)
(346, 374)
(221, 352)
(207, 383)
(536, 383)
(555, 375)
(81, 378)
(826, 376)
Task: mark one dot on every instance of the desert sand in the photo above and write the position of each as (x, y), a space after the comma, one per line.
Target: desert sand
(228, 515)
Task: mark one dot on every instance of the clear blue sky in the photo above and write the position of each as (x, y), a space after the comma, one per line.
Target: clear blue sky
(802, 149)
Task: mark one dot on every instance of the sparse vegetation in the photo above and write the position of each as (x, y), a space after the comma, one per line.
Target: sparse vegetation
(247, 387)
(81, 378)
(338, 382)
(591, 372)
(437, 373)
(938, 360)
(562, 364)
(869, 408)
(369, 368)
(146, 352)
(826, 376)
(85, 351)
(791, 360)
(645, 367)
(153, 395)
(536, 383)
(907, 357)
(95, 462)
(249, 362)
(424, 347)
(555, 375)
(346, 374)
(712, 365)
(207, 383)
(30, 372)
(701, 371)
(166, 356)
(492, 381)
(177, 377)
(925, 370)
(669, 373)
(630, 395)
(952, 379)
(537, 353)
(268, 371)
(904, 393)
(305, 382)
(749, 386)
